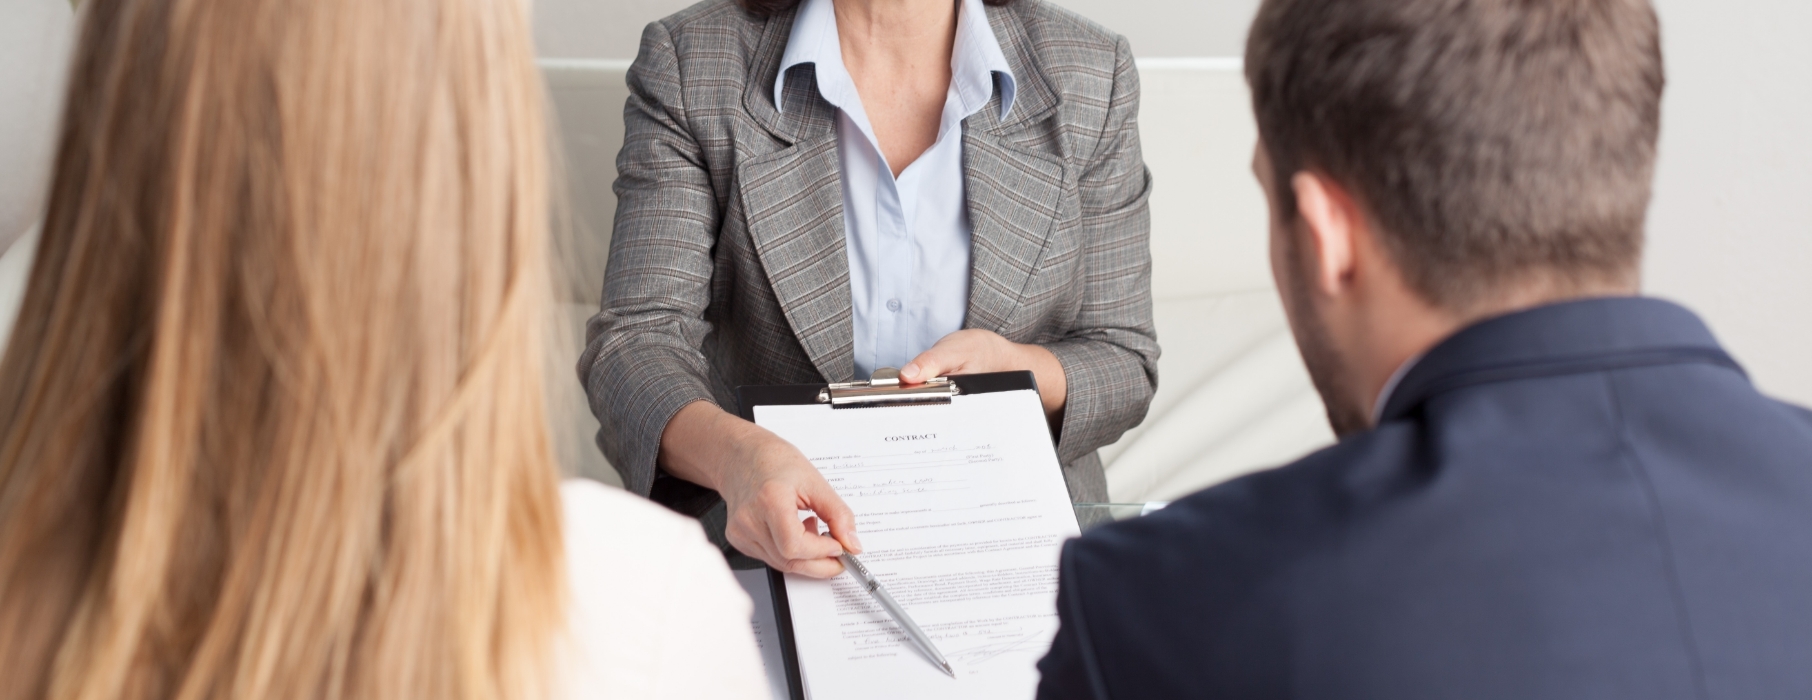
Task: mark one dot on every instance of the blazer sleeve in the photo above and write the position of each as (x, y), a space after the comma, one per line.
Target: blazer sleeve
(1110, 355)
(643, 358)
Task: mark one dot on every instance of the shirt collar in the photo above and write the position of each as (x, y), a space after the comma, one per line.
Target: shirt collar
(1390, 387)
(974, 61)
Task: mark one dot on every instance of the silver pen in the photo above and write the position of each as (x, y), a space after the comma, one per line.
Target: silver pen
(868, 581)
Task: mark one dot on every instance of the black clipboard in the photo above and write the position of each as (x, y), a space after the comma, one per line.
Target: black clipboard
(748, 397)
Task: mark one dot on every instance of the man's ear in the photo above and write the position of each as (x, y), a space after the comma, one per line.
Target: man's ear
(1331, 218)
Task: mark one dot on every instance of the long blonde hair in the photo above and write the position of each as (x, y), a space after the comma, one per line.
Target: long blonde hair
(272, 421)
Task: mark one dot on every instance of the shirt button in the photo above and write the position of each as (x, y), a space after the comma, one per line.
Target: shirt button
(893, 305)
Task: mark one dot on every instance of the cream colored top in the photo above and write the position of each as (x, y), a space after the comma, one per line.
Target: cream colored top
(656, 613)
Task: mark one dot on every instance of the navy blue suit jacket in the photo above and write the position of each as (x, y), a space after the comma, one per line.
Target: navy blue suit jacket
(1585, 500)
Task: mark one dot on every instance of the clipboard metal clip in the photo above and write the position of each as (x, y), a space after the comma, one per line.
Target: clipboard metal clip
(884, 389)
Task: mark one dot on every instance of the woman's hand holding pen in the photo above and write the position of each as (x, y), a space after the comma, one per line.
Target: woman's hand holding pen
(765, 482)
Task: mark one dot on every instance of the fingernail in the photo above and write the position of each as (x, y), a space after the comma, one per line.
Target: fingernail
(856, 542)
(910, 372)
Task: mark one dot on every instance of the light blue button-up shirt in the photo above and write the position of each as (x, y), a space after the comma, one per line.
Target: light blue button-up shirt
(908, 238)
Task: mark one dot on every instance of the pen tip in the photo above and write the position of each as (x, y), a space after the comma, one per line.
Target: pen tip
(948, 671)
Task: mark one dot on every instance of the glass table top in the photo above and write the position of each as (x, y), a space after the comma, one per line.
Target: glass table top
(1094, 514)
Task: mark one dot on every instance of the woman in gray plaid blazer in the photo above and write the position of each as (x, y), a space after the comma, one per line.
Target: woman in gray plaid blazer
(731, 262)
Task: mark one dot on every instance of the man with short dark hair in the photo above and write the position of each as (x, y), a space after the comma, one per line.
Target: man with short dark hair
(1546, 486)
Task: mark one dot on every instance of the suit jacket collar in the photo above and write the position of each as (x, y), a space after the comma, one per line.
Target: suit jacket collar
(1033, 97)
(1565, 338)
(807, 116)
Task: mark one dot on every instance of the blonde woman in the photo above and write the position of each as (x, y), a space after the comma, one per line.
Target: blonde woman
(272, 422)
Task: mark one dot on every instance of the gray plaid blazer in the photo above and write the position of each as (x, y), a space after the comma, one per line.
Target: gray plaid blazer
(727, 265)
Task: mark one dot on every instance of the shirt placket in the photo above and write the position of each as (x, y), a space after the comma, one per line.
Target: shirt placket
(894, 268)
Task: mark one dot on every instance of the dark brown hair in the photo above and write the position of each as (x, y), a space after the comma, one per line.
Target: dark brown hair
(1493, 141)
(768, 8)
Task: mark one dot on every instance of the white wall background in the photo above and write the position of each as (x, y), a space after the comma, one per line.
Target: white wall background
(1730, 232)
(35, 36)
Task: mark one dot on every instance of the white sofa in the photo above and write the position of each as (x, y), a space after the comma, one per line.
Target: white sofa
(1232, 397)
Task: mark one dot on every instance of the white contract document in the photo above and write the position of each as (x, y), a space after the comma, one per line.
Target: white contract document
(963, 511)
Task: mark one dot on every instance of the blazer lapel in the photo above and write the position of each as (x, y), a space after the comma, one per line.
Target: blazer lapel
(1015, 193)
(1015, 197)
(1036, 100)
(807, 115)
(792, 201)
